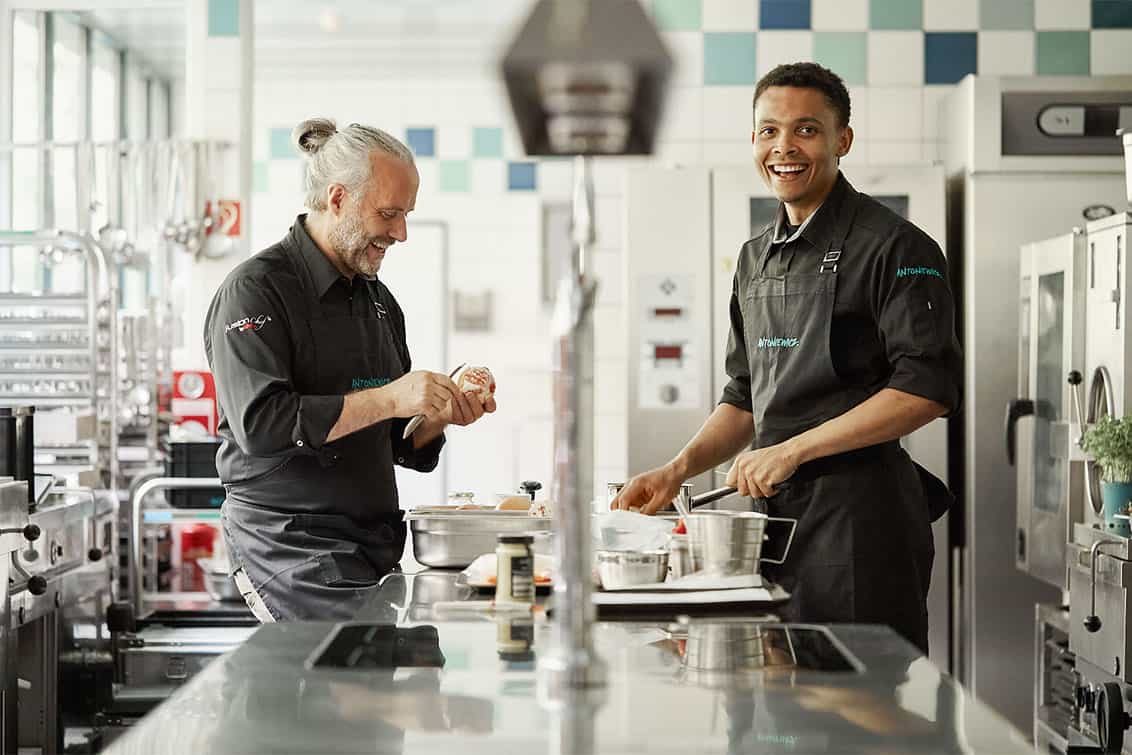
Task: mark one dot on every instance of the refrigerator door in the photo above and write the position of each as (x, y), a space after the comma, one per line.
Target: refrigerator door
(1052, 341)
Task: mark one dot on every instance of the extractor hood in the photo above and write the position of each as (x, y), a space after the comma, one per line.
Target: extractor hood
(587, 77)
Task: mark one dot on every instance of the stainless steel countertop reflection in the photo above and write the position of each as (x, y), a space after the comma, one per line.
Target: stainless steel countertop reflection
(264, 697)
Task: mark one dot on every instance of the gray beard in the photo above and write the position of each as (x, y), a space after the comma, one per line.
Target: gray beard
(348, 240)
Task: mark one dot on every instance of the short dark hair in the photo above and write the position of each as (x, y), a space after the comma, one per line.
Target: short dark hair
(808, 76)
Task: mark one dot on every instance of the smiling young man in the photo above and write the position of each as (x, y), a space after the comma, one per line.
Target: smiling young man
(842, 341)
(315, 395)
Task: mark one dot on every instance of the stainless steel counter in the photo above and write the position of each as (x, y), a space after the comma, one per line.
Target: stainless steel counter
(445, 687)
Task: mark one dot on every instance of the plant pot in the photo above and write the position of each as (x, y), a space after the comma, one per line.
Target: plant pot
(1116, 497)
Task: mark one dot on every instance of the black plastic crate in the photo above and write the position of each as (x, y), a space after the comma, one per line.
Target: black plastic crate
(193, 459)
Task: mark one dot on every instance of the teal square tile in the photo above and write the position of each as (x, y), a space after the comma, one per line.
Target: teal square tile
(223, 18)
(279, 145)
(487, 142)
(678, 15)
(1063, 53)
(1006, 14)
(729, 58)
(843, 52)
(896, 14)
(454, 175)
(260, 181)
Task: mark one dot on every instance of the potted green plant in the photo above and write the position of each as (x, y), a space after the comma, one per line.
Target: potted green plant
(1109, 442)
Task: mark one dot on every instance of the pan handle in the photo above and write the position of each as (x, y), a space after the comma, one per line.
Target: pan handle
(703, 499)
(789, 539)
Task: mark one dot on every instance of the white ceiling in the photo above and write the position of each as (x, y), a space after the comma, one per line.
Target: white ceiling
(376, 39)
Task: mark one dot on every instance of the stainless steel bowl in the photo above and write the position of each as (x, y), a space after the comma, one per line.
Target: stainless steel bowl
(621, 569)
(454, 539)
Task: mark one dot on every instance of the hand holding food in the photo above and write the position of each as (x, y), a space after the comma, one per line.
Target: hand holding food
(474, 398)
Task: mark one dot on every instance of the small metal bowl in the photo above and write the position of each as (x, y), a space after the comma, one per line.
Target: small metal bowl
(620, 569)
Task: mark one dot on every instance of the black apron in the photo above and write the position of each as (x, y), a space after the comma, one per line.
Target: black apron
(863, 548)
(306, 562)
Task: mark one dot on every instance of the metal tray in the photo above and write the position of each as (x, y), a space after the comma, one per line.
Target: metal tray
(453, 539)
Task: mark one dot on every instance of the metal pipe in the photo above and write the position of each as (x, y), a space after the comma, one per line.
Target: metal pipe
(136, 499)
(572, 663)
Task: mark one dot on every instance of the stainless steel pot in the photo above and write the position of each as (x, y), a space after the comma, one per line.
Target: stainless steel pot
(730, 542)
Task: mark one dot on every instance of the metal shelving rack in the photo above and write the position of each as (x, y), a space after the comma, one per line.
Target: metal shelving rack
(60, 350)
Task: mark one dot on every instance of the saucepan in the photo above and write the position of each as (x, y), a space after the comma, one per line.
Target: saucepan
(730, 543)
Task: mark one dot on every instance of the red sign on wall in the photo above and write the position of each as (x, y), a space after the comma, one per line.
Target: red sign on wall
(229, 221)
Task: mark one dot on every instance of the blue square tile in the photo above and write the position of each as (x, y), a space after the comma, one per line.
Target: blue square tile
(784, 14)
(949, 56)
(279, 145)
(422, 141)
(521, 177)
(487, 142)
(223, 18)
(729, 58)
(1112, 14)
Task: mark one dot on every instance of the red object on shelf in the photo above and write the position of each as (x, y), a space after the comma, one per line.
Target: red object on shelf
(197, 541)
(194, 400)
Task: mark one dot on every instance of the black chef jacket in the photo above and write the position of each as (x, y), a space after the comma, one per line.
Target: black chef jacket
(894, 315)
(277, 404)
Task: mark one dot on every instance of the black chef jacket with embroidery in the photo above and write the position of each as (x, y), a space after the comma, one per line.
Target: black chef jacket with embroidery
(894, 315)
(277, 405)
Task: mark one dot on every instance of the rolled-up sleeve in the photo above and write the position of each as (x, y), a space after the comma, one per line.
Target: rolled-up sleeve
(737, 392)
(249, 350)
(915, 311)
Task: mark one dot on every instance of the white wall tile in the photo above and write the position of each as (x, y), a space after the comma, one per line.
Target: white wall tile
(895, 114)
(728, 113)
(735, 152)
(611, 439)
(607, 270)
(611, 386)
(730, 15)
(951, 15)
(454, 141)
(609, 214)
(223, 69)
(219, 120)
(489, 176)
(896, 57)
(681, 153)
(610, 333)
(1062, 14)
(555, 179)
(858, 153)
(895, 152)
(773, 48)
(933, 151)
(1110, 51)
(839, 15)
(687, 50)
(1006, 53)
(934, 97)
(682, 119)
(858, 107)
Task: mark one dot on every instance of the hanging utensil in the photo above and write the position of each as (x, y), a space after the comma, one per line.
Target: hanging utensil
(416, 421)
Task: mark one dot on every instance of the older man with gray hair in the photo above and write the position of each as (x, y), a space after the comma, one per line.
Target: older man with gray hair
(315, 387)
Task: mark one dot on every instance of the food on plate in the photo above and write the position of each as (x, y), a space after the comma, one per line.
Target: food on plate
(514, 503)
(477, 380)
(540, 509)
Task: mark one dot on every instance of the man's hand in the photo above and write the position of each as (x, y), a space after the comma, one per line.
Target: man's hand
(649, 492)
(421, 392)
(757, 473)
(465, 408)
